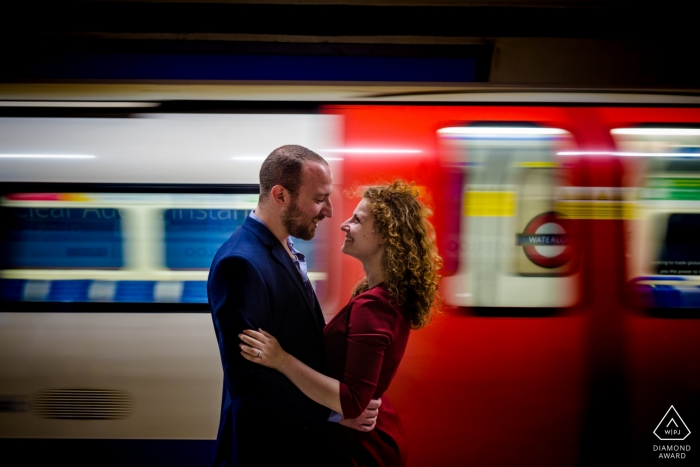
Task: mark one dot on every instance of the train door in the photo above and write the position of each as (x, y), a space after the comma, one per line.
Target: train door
(664, 260)
(516, 249)
(662, 176)
(496, 379)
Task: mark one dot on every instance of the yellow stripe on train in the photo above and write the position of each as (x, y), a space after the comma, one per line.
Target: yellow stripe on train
(537, 165)
(594, 209)
(489, 203)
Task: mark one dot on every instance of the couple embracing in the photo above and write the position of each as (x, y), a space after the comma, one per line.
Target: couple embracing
(297, 390)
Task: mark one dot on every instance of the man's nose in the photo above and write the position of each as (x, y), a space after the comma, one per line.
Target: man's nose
(327, 208)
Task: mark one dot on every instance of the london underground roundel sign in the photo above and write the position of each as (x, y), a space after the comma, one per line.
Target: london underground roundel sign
(546, 241)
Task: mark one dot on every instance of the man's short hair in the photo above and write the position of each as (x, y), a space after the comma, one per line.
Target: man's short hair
(283, 167)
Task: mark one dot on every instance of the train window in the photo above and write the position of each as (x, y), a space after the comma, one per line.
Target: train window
(515, 247)
(662, 167)
(68, 238)
(121, 247)
(192, 236)
(680, 251)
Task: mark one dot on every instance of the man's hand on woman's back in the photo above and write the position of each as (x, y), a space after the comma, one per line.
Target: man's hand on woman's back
(367, 420)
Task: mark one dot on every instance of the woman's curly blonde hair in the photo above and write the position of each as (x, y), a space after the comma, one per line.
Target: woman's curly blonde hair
(411, 262)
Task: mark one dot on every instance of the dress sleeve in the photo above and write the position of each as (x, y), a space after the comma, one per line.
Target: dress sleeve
(371, 328)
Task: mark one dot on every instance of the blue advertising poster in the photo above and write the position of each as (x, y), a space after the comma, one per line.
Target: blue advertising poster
(193, 236)
(72, 238)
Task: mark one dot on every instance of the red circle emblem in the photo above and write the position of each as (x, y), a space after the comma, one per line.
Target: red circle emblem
(546, 241)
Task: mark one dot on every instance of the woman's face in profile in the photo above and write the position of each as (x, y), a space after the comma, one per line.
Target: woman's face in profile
(361, 241)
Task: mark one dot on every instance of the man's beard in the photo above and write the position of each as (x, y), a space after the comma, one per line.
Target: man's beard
(296, 223)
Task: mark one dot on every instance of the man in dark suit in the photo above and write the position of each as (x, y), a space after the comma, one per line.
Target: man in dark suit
(258, 280)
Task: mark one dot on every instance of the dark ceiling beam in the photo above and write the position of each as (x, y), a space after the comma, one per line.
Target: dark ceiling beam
(80, 17)
(394, 3)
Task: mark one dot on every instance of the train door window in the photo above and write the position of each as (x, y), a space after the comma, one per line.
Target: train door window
(122, 247)
(662, 169)
(515, 248)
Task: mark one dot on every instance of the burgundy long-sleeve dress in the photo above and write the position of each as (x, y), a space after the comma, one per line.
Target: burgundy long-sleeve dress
(364, 345)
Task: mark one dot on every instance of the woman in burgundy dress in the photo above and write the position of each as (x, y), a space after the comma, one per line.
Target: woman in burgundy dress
(389, 233)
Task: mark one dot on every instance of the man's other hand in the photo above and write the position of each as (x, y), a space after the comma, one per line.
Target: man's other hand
(367, 419)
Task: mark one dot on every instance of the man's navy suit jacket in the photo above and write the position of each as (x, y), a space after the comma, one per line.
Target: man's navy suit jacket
(253, 283)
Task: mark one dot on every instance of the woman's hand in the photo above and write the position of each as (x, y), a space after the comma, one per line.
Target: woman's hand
(262, 348)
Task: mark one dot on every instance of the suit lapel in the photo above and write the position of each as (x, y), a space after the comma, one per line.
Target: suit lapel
(278, 252)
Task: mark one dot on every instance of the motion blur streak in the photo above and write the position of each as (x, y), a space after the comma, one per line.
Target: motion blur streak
(626, 154)
(45, 156)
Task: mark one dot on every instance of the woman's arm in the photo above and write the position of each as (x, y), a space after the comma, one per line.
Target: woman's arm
(262, 348)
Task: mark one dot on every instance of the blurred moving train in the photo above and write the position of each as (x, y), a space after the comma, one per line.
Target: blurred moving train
(569, 224)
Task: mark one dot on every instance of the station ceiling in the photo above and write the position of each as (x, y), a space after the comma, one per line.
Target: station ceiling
(224, 19)
(540, 42)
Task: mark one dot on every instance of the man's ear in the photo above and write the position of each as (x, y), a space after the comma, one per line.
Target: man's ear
(280, 196)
